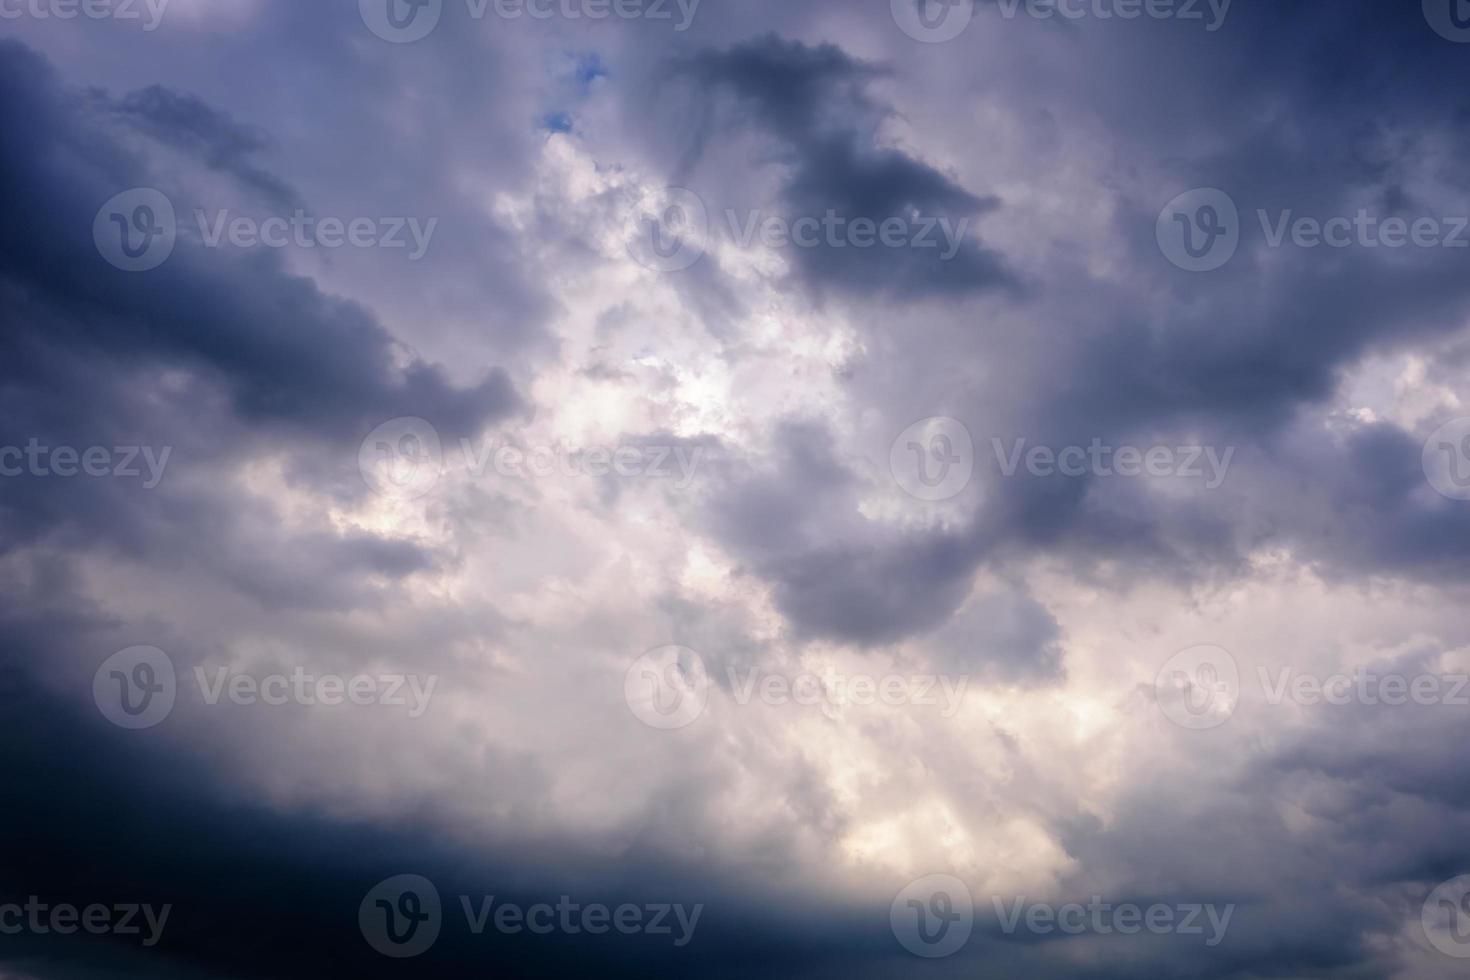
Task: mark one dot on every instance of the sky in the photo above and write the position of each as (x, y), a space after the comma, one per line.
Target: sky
(714, 489)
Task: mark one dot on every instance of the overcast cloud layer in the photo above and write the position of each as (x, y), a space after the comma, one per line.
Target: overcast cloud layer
(899, 487)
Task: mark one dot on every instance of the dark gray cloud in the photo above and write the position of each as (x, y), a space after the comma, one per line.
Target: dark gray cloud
(256, 358)
(220, 142)
(813, 103)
